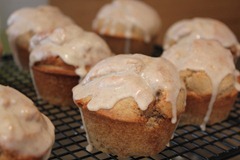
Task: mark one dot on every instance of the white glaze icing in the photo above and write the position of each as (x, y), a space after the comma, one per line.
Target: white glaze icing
(129, 13)
(39, 19)
(122, 76)
(23, 129)
(206, 28)
(203, 55)
(75, 47)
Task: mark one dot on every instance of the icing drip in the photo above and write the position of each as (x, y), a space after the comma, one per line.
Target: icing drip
(23, 128)
(203, 55)
(210, 106)
(205, 28)
(123, 76)
(73, 45)
(127, 46)
(89, 147)
(130, 14)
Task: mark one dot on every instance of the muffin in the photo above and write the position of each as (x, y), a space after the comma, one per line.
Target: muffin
(25, 22)
(128, 26)
(25, 133)
(59, 59)
(202, 28)
(208, 70)
(130, 104)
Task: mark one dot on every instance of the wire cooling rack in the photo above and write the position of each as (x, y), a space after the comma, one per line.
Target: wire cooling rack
(220, 141)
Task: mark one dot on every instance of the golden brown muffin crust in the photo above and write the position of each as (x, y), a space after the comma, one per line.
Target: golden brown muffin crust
(127, 109)
(199, 92)
(200, 83)
(134, 136)
(59, 76)
(56, 65)
(125, 130)
(120, 30)
(119, 44)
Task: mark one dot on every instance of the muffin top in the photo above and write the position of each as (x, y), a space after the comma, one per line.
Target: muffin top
(137, 76)
(23, 129)
(130, 15)
(73, 45)
(39, 19)
(202, 55)
(207, 56)
(197, 28)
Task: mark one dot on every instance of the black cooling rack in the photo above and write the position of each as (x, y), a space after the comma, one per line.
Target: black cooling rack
(220, 141)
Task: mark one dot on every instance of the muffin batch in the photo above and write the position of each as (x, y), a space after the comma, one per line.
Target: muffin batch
(130, 104)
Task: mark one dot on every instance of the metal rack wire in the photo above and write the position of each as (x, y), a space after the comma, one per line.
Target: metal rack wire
(219, 141)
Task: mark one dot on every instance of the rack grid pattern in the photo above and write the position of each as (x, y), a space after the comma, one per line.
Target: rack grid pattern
(219, 141)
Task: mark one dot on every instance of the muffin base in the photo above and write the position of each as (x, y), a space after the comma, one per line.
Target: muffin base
(197, 106)
(20, 48)
(120, 45)
(54, 85)
(127, 137)
(22, 57)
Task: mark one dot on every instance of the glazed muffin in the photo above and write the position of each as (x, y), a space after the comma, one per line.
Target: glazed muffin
(208, 70)
(128, 26)
(60, 59)
(25, 133)
(202, 28)
(130, 104)
(25, 22)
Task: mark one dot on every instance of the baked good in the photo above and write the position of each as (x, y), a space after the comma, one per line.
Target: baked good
(128, 26)
(59, 59)
(208, 70)
(25, 133)
(130, 104)
(25, 22)
(204, 28)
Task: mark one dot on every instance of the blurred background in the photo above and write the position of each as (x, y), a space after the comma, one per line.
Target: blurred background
(170, 11)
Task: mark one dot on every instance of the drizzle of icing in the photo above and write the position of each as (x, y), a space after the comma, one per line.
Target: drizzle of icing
(203, 55)
(89, 147)
(23, 128)
(129, 13)
(75, 47)
(196, 28)
(123, 76)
